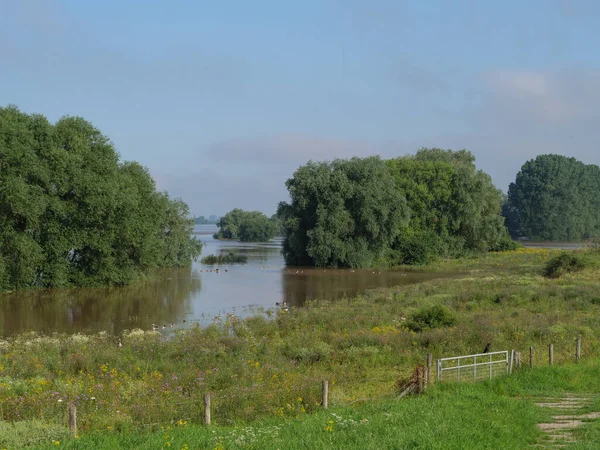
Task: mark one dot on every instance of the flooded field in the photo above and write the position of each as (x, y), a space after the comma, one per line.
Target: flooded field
(183, 297)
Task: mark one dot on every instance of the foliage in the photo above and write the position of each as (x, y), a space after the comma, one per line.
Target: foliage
(505, 244)
(229, 258)
(563, 263)
(555, 198)
(71, 214)
(435, 316)
(201, 220)
(455, 208)
(345, 213)
(22, 434)
(246, 226)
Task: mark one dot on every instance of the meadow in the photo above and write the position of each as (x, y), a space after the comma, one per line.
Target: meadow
(269, 368)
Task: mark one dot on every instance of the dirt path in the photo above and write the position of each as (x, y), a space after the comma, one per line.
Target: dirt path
(569, 412)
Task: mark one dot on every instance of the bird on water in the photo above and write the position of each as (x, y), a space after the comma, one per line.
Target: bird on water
(487, 348)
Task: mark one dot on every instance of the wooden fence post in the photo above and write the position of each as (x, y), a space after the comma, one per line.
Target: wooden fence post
(73, 419)
(531, 357)
(420, 380)
(551, 354)
(518, 362)
(578, 349)
(207, 408)
(325, 394)
(429, 364)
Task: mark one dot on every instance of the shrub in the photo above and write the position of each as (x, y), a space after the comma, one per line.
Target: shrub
(436, 316)
(505, 244)
(230, 258)
(565, 262)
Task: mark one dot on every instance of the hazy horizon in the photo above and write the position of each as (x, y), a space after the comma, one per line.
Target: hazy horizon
(236, 95)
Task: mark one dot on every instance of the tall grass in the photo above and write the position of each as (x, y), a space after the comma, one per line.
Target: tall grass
(500, 414)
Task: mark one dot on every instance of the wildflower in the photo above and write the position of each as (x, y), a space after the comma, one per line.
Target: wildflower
(56, 442)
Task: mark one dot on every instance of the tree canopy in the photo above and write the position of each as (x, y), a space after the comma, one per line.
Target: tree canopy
(408, 210)
(343, 213)
(555, 198)
(246, 226)
(72, 214)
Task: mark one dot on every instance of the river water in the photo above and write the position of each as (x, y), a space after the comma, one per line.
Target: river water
(184, 297)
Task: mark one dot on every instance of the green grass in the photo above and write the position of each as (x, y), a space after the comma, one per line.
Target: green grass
(490, 415)
(259, 368)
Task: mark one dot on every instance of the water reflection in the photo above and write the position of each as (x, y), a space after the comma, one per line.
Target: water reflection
(193, 295)
(161, 301)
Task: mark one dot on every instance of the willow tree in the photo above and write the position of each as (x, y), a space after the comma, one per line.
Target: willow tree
(344, 213)
(72, 214)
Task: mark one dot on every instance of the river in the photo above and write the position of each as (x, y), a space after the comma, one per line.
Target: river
(184, 297)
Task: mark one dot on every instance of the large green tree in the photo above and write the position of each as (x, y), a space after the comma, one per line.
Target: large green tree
(344, 213)
(555, 198)
(455, 208)
(246, 226)
(72, 214)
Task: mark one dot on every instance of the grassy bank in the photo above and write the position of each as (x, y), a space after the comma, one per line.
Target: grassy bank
(491, 415)
(261, 368)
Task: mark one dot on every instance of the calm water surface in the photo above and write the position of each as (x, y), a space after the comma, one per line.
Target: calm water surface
(191, 295)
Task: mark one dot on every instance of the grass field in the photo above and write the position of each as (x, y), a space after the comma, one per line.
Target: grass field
(270, 369)
(490, 415)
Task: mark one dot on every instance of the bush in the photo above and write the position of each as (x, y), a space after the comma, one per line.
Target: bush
(230, 258)
(564, 263)
(436, 316)
(505, 244)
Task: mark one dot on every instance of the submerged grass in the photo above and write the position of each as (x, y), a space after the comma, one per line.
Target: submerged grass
(259, 368)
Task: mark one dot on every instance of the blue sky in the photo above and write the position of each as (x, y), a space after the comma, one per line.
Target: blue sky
(222, 101)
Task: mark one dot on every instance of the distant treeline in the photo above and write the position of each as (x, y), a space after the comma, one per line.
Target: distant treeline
(554, 198)
(201, 220)
(72, 214)
(361, 212)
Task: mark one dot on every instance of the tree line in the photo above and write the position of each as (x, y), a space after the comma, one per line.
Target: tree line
(73, 214)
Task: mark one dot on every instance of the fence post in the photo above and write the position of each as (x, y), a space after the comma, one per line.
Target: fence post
(439, 370)
(551, 354)
(73, 419)
(578, 349)
(325, 394)
(512, 358)
(419, 380)
(207, 408)
(518, 360)
(531, 357)
(429, 364)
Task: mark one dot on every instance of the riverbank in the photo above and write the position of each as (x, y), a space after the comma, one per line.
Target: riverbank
(260, 368)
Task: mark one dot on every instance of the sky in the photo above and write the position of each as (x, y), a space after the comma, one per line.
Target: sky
(223, 101)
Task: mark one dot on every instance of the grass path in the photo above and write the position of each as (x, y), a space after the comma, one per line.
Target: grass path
(569, 412)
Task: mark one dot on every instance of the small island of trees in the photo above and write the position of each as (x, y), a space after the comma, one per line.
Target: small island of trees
(246, 226)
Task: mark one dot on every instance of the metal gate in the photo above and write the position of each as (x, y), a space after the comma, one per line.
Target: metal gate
(473, 367)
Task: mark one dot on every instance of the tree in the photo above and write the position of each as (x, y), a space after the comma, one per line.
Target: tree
(246, 226)
(454, 207)
(555, 198)
(344, 213)
(71, 214)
